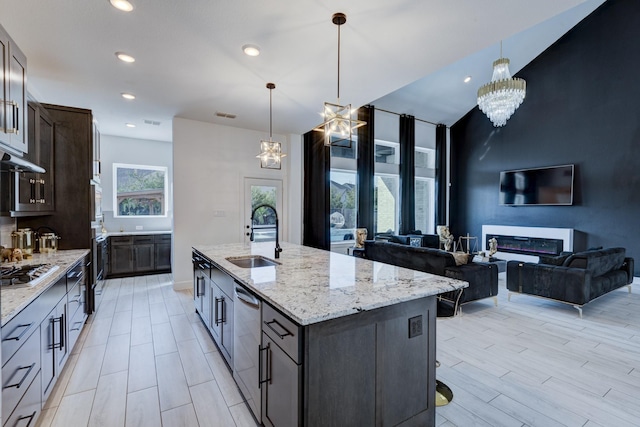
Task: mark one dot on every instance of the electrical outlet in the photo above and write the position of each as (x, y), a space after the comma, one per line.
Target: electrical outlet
(415, 326)
(219, 214)
(138, 227)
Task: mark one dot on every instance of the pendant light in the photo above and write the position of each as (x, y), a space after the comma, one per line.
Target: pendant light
(271, 151)
(500, 98)
(339, 122)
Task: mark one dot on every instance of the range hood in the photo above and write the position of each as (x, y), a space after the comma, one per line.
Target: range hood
(18, 164)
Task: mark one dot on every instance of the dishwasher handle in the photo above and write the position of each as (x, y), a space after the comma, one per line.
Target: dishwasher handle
(246, 297)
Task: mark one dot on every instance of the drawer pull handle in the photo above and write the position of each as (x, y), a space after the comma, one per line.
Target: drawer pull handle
(18, 384)
(29, 417)
(281, 335)
(26, 327)
(78, 328)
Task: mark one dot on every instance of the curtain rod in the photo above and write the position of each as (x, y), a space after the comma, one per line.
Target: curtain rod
(398, 114)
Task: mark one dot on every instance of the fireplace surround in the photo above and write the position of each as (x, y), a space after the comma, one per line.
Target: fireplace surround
(527, 243)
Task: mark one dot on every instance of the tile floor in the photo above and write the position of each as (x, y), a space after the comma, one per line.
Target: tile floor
(145, 359)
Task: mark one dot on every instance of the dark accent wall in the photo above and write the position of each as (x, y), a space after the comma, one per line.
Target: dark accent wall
(582, 108)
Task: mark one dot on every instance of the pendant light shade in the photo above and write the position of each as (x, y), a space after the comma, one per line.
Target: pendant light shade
(340, 122)
(500, 98)
(270, 151)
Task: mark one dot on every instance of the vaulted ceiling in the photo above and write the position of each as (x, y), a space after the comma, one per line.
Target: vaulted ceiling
(405, 55)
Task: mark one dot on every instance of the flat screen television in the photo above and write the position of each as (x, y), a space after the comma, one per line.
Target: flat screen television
(537, 186)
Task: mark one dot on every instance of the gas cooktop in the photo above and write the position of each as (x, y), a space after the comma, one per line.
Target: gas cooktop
(29, 274)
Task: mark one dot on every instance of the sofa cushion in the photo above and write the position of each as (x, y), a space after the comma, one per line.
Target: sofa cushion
(597, 262)
(429, 260)
(554, 260)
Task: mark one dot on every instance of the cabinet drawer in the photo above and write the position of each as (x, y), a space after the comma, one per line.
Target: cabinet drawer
(223, 280)
(139, 240)
(19, 371)
(76, 323)
(120, 240)
(282, 331)
(162, 238)
(75, 299)
(28, 410)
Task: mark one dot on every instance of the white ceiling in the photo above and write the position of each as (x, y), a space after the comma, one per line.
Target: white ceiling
(189, 61)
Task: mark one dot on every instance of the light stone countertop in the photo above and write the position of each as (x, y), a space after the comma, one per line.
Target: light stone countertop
(135, 233)
(15, 299)
(312, 285)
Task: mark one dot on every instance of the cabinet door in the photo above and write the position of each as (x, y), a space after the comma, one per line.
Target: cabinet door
(121, 259)
(163, 256)
(280, 384)
(143, 257)
(48, 355)
(18, 95)
(4, 95)
(44, 181)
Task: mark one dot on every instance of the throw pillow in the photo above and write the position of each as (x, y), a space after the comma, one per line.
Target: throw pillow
(461, 258)
(554, 260)
(415, 241)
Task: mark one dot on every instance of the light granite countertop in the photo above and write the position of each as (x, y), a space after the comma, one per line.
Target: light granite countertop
(13, 300)
(312, 285)
(134, 233)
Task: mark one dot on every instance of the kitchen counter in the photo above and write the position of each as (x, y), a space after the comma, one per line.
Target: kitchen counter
(134, 233)
(16, 299)
(312, 285)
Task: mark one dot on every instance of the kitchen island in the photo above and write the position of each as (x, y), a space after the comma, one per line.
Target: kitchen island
(344, 340)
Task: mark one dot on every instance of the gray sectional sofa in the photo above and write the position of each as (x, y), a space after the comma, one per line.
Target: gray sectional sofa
(574, 279)
(482, 277)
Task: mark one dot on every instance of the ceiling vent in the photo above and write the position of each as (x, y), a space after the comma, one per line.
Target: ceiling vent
(151, 122)
(225, 115)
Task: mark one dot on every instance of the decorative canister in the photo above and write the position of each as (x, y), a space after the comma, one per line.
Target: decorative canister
(23, 239)
(48, 242)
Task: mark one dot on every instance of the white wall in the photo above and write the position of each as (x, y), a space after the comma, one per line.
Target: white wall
(210, 163)
(116, 149)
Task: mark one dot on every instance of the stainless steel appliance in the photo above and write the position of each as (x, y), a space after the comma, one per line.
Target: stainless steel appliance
(29, 274)
(246, 345)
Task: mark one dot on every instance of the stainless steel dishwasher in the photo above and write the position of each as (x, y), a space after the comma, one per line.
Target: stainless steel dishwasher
(246, 345)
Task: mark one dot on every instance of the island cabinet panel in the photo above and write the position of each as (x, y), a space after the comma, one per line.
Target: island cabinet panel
(365, 370)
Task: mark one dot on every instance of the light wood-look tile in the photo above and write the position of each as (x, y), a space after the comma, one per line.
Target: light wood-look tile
(143, 408)
(194, 363)
(109, 405)
(158, 312)
(163, 339)
(182, 416)
(141, 332)
(224, 379)
(121, 323)
(87, 370)
(142, 367)
(74, 410)
(208, 399)
(242, 416)
(99, 332)
(181, 326)
(63, 380)
(172, 384)
(116, 357)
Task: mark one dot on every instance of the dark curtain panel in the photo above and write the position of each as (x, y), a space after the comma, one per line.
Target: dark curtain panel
(407, 173)
(315, 219)
(441, 176)
(366, 164)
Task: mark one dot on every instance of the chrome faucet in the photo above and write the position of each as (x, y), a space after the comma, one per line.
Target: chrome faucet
(265, 205)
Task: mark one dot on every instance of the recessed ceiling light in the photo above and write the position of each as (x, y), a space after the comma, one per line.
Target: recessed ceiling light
(125, 57)
(467, 79)
(123, 5)
(128, 95)
(130, 125)
(251, 49)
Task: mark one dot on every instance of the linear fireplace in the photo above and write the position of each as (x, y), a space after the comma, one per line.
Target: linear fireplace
(527, 245)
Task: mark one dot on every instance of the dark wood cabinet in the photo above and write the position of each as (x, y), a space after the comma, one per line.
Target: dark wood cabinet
(13, 94)
(35, 191)
(139, 254)
(72, 153)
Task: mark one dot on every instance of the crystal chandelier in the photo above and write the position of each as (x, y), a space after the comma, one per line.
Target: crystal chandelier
(500, 98)
(270, 151)
(339, 121)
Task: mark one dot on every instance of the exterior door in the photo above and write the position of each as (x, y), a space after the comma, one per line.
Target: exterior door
(257, 192)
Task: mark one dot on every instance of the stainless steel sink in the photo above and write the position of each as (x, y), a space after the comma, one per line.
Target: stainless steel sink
(252, 261)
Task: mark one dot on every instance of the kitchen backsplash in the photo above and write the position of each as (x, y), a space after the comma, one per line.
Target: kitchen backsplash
(7, 225)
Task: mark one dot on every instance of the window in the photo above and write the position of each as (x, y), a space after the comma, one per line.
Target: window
(424, 194)
(386, 203)
(264, 219)
(140, 190)
(343, 205)
(387, 152)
